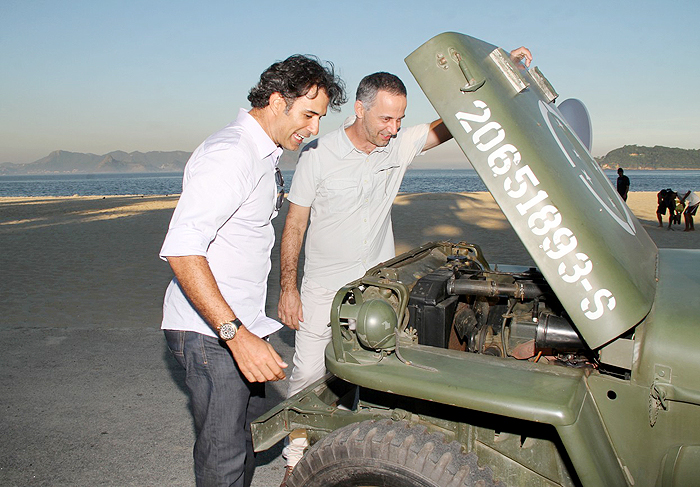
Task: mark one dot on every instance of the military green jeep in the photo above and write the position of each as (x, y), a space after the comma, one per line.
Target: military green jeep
(583, 370)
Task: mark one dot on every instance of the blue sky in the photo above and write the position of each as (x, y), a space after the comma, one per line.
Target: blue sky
(97, 76)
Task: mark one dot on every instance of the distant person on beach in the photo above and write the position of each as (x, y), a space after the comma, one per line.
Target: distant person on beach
(218, 245)
(345, 182)
(666, 200)
(680, 206)
(623, 183)
(691, 200)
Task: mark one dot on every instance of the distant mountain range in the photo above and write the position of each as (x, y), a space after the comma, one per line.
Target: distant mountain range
(657, 157)
(64, 162)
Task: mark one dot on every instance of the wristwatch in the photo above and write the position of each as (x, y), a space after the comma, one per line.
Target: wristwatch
(227, 331)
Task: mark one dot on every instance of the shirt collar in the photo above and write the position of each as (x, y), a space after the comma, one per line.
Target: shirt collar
(346, 146)
(266, 147)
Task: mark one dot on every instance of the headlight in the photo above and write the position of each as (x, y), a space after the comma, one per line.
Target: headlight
(376, 321)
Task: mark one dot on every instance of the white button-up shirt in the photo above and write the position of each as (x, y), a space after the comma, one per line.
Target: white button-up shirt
(224, 214)
(350, 194)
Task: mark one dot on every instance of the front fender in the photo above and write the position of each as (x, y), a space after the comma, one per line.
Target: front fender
(529, 391)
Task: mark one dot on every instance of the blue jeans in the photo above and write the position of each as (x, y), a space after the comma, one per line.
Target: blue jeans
(223, 405)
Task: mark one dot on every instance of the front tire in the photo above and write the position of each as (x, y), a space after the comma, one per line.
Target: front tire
(389, 454)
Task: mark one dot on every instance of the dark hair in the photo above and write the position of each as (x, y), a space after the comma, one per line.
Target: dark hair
(372, 83)
(295, 77)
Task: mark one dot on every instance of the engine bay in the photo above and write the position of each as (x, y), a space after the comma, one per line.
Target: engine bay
(457, 301)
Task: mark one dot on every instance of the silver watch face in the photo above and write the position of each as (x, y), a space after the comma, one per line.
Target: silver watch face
(227, 331)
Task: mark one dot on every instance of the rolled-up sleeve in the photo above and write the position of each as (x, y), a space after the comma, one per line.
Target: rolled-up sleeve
(213, 189)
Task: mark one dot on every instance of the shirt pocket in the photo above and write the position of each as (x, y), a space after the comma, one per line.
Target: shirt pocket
(342, 195)
(384, 179)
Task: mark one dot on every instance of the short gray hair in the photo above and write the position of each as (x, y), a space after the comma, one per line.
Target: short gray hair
(373, 83)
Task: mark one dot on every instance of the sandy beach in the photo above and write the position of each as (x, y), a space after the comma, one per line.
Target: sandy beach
(91, 396)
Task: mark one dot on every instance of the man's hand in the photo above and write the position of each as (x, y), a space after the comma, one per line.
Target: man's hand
(521, 54)
(289, 308)
(256, 358)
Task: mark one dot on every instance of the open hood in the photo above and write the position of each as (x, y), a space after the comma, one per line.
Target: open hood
(591, 248)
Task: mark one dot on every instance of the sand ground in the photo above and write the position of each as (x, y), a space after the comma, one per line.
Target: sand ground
(90, 394)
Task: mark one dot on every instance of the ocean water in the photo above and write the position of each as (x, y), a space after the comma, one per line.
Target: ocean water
(415, 181)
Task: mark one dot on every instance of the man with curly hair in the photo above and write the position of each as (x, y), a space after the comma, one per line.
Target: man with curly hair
(218, 245)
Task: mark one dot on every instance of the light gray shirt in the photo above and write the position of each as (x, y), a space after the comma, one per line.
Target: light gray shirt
(350, 194)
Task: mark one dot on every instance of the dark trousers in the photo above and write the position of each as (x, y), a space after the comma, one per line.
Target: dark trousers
(223, 405)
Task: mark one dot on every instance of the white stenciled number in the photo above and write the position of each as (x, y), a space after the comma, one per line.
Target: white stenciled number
(562, 242)
(520, 175)
(495, 138)
(464, 117)
(548, 217)
(543, 218)
(583, 267)
(501, 159)
(529, 204)
(595, 312)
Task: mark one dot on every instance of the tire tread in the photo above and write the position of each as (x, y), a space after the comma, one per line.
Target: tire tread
(398, 445)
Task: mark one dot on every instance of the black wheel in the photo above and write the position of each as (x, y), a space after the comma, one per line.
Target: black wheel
(388, 454)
